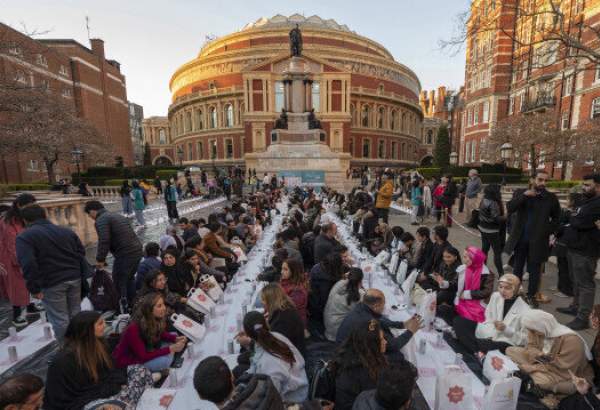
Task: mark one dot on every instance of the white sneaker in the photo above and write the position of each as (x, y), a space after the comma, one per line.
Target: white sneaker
(561, 295)
(156, 376)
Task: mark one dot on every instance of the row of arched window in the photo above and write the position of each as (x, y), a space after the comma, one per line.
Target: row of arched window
(394, 151)
(384, 118)
(201, 118)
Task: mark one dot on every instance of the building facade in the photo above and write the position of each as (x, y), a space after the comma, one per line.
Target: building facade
(514, 68)
(157, 134)
(136, 116)
(81, 75)
(226, 101)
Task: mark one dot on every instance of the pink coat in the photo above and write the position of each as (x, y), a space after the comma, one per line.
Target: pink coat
(12, 283)
(468, 308)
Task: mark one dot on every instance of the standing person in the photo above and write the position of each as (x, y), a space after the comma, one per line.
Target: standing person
(125, 193)
(536, 215)
(491, 221)
(384, 196)
(416, 200)
(158, 186)
(266, 181)
(583, 243)
(53, 263)
(116, 236)
(427, 199)
(82, 375)
(11, 277)
(171, 200)
(227, 187)
(138, 203)
(472, 191)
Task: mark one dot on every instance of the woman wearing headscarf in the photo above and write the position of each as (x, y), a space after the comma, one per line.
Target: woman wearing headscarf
(554, 354)
(474, 285)
(502, 326)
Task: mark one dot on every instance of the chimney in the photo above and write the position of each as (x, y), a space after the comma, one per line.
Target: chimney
(431, 109)
(98, 47)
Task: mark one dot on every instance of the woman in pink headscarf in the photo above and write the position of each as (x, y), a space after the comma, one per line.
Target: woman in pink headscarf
(475, 284)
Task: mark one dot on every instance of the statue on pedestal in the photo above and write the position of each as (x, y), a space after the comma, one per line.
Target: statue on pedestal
(313, 122)
(296, 42)
(282, 122)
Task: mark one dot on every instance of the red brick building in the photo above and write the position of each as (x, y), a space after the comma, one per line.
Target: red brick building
(82, 75)
(513, 69)
(225, 101)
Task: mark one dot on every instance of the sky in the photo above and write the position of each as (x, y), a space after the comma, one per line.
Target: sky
(152, 38)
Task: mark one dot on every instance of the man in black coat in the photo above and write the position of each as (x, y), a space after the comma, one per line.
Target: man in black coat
(53, 262)
(536, 214)
(325, 243)
(582, 238)
(115, 235)
(372, 307)
(440, 243)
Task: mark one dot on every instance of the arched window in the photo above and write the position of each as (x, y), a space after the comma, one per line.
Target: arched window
(429, 137)
(403, 124)
(366, 148)
(381, 149)
(394, 120)
(228, 116)
(381, 118)
(403, 152)
(199, 120)
(213, 117)
(188, 121)
(162, 137)
(364, 116)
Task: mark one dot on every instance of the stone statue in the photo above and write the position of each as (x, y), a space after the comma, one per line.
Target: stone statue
(313, 122)
(296, 42)
(282, 122)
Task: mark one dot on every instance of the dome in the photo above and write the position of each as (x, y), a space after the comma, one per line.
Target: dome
(312, 21)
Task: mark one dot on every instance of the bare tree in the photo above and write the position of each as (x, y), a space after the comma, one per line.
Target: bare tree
(588, 144)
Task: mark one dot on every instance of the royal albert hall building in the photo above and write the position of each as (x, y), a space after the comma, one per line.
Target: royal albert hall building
(226, 100)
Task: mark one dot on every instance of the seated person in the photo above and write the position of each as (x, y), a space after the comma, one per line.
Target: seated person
(423, 249)
(553, 355)
(359, 362)
(275, 356)
(445, 280)
(190, 269)
(156, 282)
(83, 373)
(381, 240)
(406, 245)
(179, 279)
(394, 389)
(204, 259)
(146, 341)
(343, 297)
(150, 263)
(440, 242)
(322, 278)
(273, 273)
(22, 392)
(253, 392)
(474, 285)
(397, 231)
(372, 307)
(284, 317)
(295, 285)
(502, 326)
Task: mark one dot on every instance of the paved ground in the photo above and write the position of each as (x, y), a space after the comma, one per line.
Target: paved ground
(462, 238)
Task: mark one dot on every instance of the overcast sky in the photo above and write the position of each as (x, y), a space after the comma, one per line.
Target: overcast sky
(151, 38)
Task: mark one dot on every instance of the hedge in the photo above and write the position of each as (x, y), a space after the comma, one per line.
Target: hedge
(562, 184)
(114, 182)
(26, 187)
(164, 174)
(485, 169)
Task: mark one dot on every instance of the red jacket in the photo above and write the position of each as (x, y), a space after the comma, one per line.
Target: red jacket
(132, 349)
(299, 295)
(12, 283)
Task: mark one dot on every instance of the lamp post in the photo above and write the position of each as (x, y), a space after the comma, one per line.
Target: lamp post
(506, 151)
(76, 155)
(453, 159)
(180, 155)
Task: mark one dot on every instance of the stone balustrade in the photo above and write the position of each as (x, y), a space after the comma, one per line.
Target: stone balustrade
(113, 192)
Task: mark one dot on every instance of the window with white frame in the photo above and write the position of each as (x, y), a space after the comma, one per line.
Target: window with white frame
(467, 151)
(62, 70)
(162, 137)
(476, 115)
(45, 84)
(213, 117)
(316, 96)
(564, 122)
(486, 112)
(41, 60)
(190, 151)
(67, 93)
(14, 49)
(33, 165)
(542, 160)
(473, 151)
(279, 96)
(200, 150)
(366, 148)
(20, 77)
(522, 102)
(381, 149)
(470, 117)
(228, 116)
(199, 120)
(394, 150)
(568, 87)
(213, 149)
(228, 148)
(596, 108)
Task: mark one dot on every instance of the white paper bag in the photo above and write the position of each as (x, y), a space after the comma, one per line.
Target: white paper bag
(192, 330)
(200, 301)
(503, 394)
(498, 366)
(394, 262)
(427, 309)
(382, 257)
(211, 287)
(409, 283)
(239, 253)
(401, 274)
(453, 390)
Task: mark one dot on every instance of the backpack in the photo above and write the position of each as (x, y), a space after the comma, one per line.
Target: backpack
(103, 293)
(322, 383)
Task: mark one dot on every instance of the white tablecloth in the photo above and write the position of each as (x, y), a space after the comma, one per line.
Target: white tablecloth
(28, 342)
(242, 291)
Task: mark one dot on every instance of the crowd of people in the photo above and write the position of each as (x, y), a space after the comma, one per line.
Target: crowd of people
(313, 302)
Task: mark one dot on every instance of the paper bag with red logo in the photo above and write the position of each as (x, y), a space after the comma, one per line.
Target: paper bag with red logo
(211, 287)
(394, 262)
(503, 394)
(239, 254)
(427, 309)
(498, 366)
(192, 330)
(382, 258)
(401, 274)
(200, 301)
(453, 390)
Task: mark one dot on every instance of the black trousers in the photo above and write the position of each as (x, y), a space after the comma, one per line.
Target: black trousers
(383, 213)
(465, 332)
(492, 240)
(565, 283)
(172, 210)
(534, 268)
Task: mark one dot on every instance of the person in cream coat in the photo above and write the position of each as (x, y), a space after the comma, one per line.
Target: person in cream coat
(502, 326)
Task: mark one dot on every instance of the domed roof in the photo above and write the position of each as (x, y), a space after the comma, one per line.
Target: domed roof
(282, 21)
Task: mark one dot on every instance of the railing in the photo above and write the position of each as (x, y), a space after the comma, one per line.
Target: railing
(114, 192)
(207, 93)
(387, 94)
(541, 102)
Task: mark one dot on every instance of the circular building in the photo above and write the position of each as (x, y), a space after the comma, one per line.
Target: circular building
(225, 102)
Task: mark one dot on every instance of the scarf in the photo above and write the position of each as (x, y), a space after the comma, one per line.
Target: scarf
(468, 308)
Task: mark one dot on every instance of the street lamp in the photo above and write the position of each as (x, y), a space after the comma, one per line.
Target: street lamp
(180, 155)
(506, 151)
(453, 159)
(76, 155)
